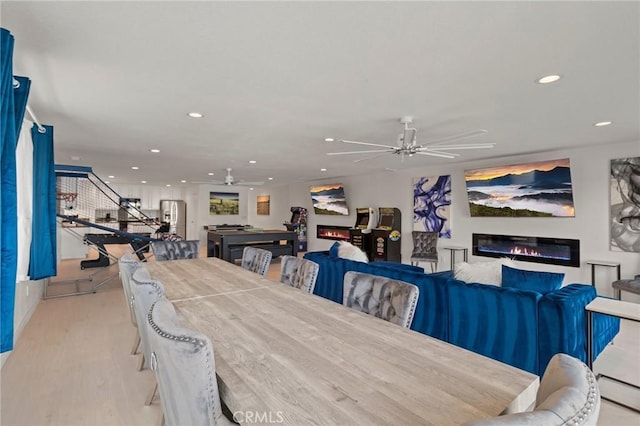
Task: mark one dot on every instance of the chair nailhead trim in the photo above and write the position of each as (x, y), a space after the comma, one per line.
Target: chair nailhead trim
(166, 335)
(583, 413)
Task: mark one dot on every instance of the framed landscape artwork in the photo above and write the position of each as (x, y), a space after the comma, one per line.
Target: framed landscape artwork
(224, 203)
(432, 205)
(329, 199)
(540, 189)
(263, 204)
(625, 204)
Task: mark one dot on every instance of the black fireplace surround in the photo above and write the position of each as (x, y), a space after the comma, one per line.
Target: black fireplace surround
(554, 251)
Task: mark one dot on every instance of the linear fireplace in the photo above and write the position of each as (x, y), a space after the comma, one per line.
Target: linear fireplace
(330, 232)
(554, 251)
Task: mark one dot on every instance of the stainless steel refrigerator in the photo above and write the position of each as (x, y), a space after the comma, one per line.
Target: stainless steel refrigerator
(174, 212)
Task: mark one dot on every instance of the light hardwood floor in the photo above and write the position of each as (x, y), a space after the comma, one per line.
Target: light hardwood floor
(71, 365)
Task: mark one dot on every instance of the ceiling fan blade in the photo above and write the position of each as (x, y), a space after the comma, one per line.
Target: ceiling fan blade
(249, 183)
(438, 154)
(361, 152)
(367, 143)
(464, 146)
(456, 137)
(370, 158)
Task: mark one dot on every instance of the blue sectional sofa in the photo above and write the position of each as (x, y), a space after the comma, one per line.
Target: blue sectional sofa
(518, 327)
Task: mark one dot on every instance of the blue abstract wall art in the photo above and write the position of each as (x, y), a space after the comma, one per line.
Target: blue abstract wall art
(432, 205)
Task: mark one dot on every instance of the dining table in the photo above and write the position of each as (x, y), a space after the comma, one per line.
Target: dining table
(289, 357)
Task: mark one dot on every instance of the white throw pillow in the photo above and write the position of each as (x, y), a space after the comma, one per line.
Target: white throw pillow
(351, 252)
(482, 272)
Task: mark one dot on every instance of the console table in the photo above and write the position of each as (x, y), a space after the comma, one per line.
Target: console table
(617, 308)
(229, 244)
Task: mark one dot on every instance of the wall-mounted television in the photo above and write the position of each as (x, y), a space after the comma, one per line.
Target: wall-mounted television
(540, 189)
(329, 199)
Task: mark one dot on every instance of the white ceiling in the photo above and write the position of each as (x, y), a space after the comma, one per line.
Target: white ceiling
(273, 79)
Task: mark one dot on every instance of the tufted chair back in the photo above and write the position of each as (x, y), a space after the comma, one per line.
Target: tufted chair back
(299, 273)
(392, 300)
(256, 260)
(425, 248)
(145, 292)
(127, 265)
(185, 369)
(172, 250)
(568, 394)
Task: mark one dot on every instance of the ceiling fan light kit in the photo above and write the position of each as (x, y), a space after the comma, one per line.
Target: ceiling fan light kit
(407, 144)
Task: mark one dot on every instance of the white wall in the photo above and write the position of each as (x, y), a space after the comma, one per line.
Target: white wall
(279, 209)
(590, 176)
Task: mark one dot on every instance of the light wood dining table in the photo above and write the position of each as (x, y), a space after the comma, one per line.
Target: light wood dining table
(285, 356)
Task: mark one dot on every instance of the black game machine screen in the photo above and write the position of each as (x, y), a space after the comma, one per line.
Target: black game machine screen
(360, 234)
(386, 236)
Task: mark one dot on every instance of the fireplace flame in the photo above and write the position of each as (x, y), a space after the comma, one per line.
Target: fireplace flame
(525, 251)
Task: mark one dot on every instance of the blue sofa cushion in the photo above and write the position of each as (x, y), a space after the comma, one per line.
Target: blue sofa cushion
(431, 313)
(498, 322)
(541, 282)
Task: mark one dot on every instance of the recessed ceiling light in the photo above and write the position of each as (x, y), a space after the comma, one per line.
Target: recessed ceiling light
(106, 181)
(183, 181)
(250, 189)
(210, 173)
(154, 150)
(75, 158)
(270, 178)
(143, 181)
(135, 167)
(602, 123)
(548, 79)
(168, 185)
(323, 170)
(329, 139)
(252, 161)
(195, 115)
(111, 177)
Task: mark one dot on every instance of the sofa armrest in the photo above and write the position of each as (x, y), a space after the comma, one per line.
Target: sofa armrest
(563, 324)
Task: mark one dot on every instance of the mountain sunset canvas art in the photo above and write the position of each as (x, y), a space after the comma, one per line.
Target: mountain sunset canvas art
(541, 189)
(329, 199)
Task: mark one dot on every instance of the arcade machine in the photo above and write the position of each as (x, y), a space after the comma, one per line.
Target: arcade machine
(360, 234)
(298, 224)
(386, 236)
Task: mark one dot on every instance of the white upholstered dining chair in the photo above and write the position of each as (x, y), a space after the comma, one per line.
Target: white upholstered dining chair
(185, 369)
(299, 273)
(145, 292)
(568, 395)
(172, 250)
(256, 260)
(127, 265)
(392, 300)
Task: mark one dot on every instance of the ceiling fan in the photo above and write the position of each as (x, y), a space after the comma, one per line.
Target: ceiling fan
(230, 181)
(407, 144)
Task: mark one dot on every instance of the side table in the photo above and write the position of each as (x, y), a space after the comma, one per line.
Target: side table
(605, 263)
(617, 308)
(453, 250)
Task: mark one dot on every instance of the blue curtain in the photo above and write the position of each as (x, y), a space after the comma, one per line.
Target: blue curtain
(13, 103)
(43, 236)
